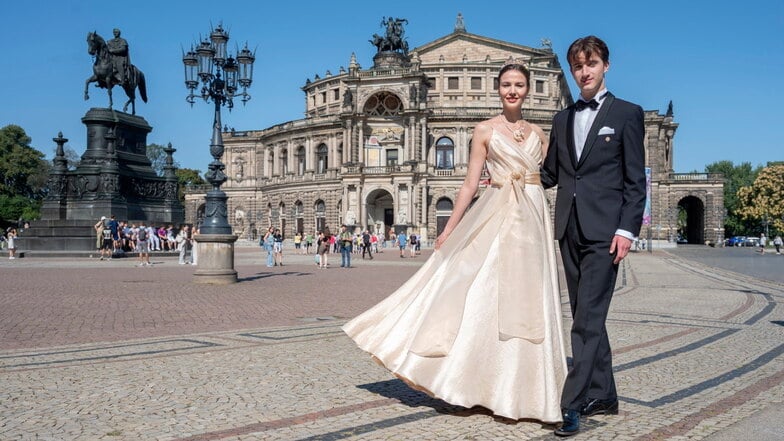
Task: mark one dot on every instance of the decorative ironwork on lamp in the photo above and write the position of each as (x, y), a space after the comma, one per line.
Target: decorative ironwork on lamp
(221, 75)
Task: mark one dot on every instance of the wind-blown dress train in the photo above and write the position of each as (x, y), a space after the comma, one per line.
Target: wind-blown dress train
(480, 322)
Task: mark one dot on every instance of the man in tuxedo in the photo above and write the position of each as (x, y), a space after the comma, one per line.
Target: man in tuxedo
(596, 158)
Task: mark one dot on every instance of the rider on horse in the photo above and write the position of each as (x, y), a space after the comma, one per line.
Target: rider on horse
(121, 59)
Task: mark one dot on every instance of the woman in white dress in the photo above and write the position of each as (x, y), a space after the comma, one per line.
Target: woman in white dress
(480, 323)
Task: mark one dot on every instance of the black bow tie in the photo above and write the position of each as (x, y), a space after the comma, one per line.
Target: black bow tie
(581, 105)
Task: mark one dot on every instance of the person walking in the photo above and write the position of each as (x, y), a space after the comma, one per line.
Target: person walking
(346, 242)
(597, 160)
(183, 243)
(277, 247)
(10, 238)
(777, 242)
(298, 243)
(323, 247)
(366, 245)
(143, 244)
(308, 243)
(402, 243)
(268, 243)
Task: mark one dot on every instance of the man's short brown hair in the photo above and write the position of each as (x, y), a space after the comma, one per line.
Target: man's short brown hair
(588, 45)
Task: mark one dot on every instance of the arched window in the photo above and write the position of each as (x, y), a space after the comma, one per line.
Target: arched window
(299, 222)
(282, 220)
(445, 154)
(444, 204)
(383, 104)
(284, 163)
(321, 215)
(339, 154)
(321, 158)
(300, 160)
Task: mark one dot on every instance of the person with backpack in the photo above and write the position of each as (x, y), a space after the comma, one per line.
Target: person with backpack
(143, 245)
(366, 240)
(105, 241)
(402, 242)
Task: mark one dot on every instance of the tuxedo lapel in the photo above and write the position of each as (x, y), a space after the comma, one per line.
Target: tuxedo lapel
(598, 122)
(570, 137)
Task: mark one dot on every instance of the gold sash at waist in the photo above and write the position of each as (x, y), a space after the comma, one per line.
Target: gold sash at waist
(522, 177)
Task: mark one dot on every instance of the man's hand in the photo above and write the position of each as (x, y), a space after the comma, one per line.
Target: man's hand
(620, 247)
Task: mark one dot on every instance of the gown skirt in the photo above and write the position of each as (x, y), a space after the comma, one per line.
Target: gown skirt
(479, 324)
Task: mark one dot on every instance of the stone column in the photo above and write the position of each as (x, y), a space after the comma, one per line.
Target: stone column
(412, 142)
(361, 208)
(423, 139)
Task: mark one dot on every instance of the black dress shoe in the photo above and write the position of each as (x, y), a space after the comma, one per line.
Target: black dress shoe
(571, 423)
(599, 407)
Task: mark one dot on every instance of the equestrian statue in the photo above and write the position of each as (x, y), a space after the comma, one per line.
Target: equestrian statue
(393, 41)
(113, 67)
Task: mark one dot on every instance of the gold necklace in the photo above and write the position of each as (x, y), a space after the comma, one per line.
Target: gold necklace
(517, 133)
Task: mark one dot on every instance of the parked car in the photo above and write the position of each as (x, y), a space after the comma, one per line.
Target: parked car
(736, 241)
(751, 242)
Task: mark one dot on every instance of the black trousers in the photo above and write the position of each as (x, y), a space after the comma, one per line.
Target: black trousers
(590, 278)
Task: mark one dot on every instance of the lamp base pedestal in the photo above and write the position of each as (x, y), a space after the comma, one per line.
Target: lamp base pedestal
(215, 253)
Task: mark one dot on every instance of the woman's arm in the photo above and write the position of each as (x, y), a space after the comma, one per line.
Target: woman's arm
(476, 162)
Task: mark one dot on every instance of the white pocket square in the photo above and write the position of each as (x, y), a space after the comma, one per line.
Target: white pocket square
(606, 131)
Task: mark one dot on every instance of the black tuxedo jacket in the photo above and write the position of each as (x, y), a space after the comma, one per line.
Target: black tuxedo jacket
(607, 184)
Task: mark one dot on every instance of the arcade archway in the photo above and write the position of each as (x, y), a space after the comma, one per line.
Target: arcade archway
(380, 211)
(693, 227)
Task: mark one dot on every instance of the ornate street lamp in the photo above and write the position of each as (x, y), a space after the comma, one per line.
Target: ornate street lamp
(221, 76)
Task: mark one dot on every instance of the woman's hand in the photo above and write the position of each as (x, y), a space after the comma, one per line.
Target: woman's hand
(441, 239)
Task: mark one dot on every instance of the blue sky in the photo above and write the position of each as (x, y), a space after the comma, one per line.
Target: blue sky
(719, 62)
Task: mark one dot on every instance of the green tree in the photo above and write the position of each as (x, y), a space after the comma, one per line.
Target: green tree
(73, 159)
(187, 178)
(735, 177)
(158, 158)
(763, 201)
(23, 174)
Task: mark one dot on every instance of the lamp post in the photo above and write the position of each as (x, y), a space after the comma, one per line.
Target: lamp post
(221, 75)
(721, 214)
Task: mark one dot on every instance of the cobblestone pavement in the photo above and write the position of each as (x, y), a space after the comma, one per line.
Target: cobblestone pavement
(107, 351)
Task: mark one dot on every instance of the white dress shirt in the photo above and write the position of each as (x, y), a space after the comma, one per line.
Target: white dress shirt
(583, 120)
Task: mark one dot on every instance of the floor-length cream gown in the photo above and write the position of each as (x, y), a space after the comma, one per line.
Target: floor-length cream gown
(480, 322)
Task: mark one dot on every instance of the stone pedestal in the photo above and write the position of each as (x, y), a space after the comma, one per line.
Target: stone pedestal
(390, 60)
(215, 253)
(114, 177)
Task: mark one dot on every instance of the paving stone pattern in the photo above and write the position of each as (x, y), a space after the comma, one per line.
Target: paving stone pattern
(95, 350)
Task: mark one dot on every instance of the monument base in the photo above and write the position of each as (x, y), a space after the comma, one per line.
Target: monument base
(390, 60)
(216, 259)
(60, 235)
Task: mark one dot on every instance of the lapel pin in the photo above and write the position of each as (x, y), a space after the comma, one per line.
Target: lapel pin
(606, 139)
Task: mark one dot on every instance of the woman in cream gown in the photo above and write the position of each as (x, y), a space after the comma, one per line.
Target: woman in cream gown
(480, 322)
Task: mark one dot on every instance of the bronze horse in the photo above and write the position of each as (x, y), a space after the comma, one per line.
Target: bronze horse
(105, 76)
